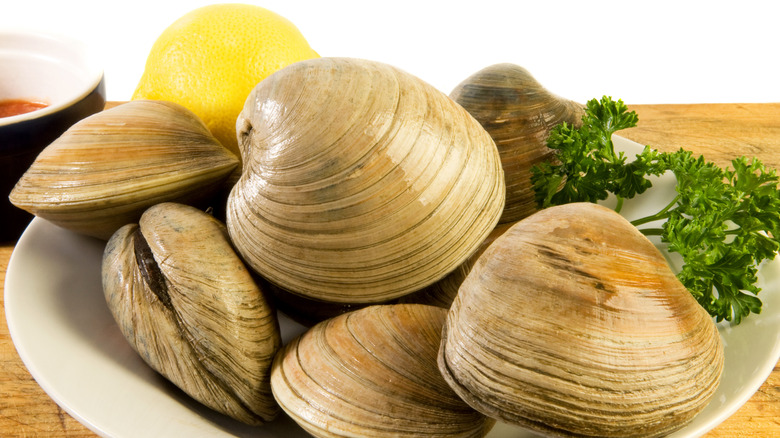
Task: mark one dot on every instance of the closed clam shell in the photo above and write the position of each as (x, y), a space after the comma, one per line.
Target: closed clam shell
(519, 114)
(372, 373)
(186, 303)
(583, 330)
(105, 170)
(360, 182)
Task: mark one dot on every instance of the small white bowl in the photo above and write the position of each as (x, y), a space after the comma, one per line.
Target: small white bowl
(53, 69)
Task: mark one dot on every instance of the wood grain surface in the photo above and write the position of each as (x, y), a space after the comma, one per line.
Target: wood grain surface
(718, 131)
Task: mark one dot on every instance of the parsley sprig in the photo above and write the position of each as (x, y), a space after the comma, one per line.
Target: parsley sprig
(723, 222)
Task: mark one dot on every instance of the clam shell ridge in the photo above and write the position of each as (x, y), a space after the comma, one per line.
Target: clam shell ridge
(583, 331)
(361, 183)
(105, 170)
(519, 114)
(190, 308)
(372, 373)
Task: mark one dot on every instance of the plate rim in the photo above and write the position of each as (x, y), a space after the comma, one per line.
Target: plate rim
(54, 392)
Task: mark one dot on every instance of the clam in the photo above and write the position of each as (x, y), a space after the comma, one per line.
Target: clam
(187, 304)
(372, 373)
(105, 170)
(360, 183)
(583, 330)
(519, 114)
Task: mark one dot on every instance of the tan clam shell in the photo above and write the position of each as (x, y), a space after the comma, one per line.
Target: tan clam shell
(519, 114)
(186, 303)
(361, 183)
(584, 330)
(105, 170)
(372, 373)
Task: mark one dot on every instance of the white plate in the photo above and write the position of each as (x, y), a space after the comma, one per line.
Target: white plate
(68, 340)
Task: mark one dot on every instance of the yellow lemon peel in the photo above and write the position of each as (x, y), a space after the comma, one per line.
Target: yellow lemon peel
(211, 58)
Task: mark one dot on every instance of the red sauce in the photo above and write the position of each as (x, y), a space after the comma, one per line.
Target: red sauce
(13, 107)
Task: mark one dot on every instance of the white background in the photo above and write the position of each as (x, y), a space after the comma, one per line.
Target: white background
(639, 51)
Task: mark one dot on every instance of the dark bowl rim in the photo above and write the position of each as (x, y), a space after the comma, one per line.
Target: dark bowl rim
(97, 72)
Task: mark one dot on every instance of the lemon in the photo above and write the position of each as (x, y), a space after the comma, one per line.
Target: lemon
(211, 58)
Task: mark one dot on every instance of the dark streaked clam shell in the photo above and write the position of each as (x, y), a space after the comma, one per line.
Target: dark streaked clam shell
(519, 114)
(186, 303)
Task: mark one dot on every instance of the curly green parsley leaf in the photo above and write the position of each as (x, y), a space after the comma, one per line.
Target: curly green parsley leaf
(723, 222)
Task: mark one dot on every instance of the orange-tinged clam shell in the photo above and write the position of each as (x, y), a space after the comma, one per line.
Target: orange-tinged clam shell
(572, 324)
(107, 169)
(372, 373)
